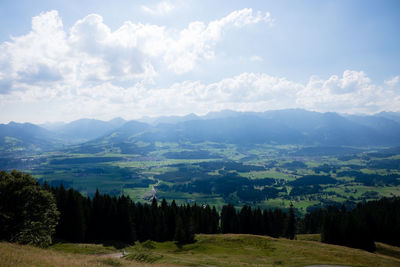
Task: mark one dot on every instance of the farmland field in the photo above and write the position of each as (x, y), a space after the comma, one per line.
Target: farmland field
(259, 175)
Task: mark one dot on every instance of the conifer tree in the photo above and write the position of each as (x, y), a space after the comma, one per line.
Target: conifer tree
(179, 236)
(291, 226)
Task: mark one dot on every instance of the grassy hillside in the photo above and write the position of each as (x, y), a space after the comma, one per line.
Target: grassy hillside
(209, 250)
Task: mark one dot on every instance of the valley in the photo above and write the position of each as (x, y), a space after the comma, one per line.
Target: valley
(200, 133)
(268, 177)
(243, 160)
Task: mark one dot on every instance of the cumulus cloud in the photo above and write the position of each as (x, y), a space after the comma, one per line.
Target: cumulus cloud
(90, 52)
(197, 41)
(162, 8)
(394, 81)
(351, 92)
(37, 57)
(90, 70)
(354, 92)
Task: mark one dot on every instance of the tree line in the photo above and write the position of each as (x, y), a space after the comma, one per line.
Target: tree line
(105, 218)
(275, 223)
(31, 213)
(370, 222)
(110, 218)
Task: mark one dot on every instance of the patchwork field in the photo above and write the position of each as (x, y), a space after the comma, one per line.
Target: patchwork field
(259, 175)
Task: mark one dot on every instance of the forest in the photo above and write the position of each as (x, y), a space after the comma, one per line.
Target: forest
(65, 215)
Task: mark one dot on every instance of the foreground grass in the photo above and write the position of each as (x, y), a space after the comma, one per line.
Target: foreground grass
(13, 255)
(245, 250)
(87, 249)
(209, 250)
(388, 250)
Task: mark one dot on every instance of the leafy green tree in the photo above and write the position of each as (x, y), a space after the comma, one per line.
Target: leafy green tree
(28, 213)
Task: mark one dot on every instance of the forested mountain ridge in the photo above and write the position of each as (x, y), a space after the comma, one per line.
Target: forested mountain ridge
(26, 137)
(299, 127)
(291, 126)
(83, 130)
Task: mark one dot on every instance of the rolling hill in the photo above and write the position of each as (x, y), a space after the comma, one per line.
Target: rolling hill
(209, 250)
(26, 137)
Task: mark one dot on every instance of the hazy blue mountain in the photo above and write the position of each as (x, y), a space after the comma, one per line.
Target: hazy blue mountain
(117, 122)
(120, 140)
(292, 126)
(298, 119)
(127, 131)
(221, 114)
(52, 126)
(276, 127)
(394, 116)
(334, 129)
(86, 129)
(384, 126)
(169, 119)
(26, 137)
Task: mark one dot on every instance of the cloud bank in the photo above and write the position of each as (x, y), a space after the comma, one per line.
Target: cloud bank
(90, 52)
(91, 71)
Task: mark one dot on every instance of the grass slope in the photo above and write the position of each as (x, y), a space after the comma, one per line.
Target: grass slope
(209, 250)
(13, 255)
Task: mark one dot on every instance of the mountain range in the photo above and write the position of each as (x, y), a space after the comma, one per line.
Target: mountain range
(291, 126)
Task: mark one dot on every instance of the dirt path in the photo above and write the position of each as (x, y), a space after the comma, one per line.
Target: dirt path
(152, 193)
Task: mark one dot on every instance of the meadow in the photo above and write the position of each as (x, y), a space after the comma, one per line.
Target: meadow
(208, 250)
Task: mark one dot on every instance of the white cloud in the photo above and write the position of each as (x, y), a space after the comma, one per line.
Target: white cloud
(394, 81)
(90, 52)
(259, 92)
(354, 92)
(245, 92)
(162, 8)
(37, 57)
(197, 41)
(90, 70)
(256, 59)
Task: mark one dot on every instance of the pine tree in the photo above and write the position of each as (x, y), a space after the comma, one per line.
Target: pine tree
(229, 220)
(291, 226)
(179, 236)
(189, 230)
(76, 219)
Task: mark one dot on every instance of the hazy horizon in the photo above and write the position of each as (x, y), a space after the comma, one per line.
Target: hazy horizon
(69, 60)
(150, 118)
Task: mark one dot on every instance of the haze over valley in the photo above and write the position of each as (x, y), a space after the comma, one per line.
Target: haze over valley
(200, 133)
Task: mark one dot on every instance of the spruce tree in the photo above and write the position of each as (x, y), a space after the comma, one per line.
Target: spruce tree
(179, 236)
(291, 225)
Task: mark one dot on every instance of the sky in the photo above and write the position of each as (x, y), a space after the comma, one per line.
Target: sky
(66, 60)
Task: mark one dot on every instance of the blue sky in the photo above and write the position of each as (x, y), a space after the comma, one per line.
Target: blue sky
(64, 60)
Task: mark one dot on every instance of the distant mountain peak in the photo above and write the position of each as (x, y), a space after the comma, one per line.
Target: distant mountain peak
(290, 126)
